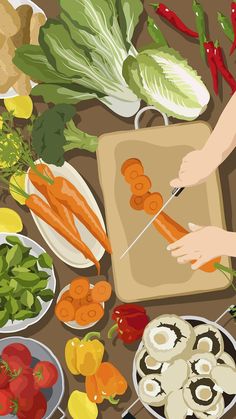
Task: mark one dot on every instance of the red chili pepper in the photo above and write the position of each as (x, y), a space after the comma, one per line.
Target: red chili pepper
(210, 53)
(172, 18)
(131, 321)
(227, 75)
(233, 20)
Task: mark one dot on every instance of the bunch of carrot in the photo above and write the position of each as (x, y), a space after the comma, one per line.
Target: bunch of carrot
(82, 304)
(64, 202)
(151, 203)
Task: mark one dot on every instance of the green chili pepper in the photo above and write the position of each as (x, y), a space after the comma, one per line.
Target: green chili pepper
(201, 26)
(226, 26)
(156, 33)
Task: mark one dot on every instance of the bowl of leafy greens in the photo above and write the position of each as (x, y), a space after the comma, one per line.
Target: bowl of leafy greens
(27, 282)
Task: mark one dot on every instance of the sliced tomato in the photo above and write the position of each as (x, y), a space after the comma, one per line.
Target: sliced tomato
(45, 374)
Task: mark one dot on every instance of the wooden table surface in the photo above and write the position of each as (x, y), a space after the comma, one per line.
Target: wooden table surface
(96, 119)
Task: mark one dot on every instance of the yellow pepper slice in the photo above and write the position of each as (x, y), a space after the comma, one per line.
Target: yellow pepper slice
(80, 407)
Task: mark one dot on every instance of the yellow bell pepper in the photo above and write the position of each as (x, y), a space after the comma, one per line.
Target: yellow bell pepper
(80, 407)
(84, 356)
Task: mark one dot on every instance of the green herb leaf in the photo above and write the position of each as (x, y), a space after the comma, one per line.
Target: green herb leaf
(46, 295)
(14, 256)
(45, 261)
(29, 262)
(13, 240)
(4, 317)
(27, 299)
(39, 286)
(19, 269)
(37, 307)
(27, 279)
(23, 315)
(12, 305)
(5, 290)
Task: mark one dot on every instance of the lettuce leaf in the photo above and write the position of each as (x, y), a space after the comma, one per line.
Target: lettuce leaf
(162, 78)
(129, 13)
(67, 94)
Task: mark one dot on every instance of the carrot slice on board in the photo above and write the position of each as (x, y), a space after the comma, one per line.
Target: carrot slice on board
(137, 202)
(65, 311)
(90, 313)
(79, 288)
(133, 171)
(140, 185)
(153, 203)
(129, 163)
(101, 292)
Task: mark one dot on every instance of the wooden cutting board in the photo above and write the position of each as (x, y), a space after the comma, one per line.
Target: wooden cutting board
(148, 271)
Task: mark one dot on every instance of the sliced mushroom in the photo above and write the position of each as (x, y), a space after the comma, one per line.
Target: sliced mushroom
(145, 364)
(151, 391)
(225, 378)
(200, 393)
(208, 339)
(37, 20)
(176, 407)
(226, 359)
(22, 36)
(201, 364)
(175, 376)
(215, 411)
(168, 337)
(9, 19)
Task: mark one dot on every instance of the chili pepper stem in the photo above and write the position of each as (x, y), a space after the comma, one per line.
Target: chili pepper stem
(91, 335)
(112, 331)
(154, 5)
(112, 400)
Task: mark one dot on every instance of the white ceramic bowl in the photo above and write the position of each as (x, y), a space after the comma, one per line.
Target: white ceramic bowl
(60, 246)
(36, 9)
(74, 324)
(19, 325)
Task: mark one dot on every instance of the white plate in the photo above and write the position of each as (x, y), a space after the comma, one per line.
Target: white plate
(36, 9)
(60, 246)
(75, 325)
(41, 352)
(18, 325)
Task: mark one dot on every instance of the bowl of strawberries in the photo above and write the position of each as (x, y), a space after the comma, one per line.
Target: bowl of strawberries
(31, 379)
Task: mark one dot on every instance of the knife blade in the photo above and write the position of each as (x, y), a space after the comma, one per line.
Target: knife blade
(175, 192)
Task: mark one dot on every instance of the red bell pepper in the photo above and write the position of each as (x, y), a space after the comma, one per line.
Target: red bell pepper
(233, 20)
(131, 321)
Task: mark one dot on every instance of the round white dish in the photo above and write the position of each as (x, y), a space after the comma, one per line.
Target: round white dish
(64, 250)
(74, 324)
(36, 9)
(19, 325)
(41, 352)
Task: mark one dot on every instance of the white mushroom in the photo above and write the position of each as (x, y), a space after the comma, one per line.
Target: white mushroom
(168, 337)
(201, 394)
(175, 376)
(176, 407)
(225, 377)
(201, 364)
(215, 411)
(225, 358)
(208, 339)
(146, 365)
(151, 391)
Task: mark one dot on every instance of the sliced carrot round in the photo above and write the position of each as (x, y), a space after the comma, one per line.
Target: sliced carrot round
(79, 288)
(153, 203)
(89, 313)
(101, 292)
(137, 202)
(128, 163)
(66, 296)
(140, 185)
(77, 304)
(132, 172)
(88, 299)
(65, 311)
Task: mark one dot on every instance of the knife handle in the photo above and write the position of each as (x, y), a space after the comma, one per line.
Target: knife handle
(180, 190)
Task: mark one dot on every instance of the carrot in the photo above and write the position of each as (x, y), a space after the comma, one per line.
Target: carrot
(66, 296)
(137, 202)
(88, 299)
(79, 288)
(65, 311)
(68, 195)
(89, 313)
(40, 208)
(141, 185)
(172, 232)
(153, 203)
(129, 163)
(77, 304)
(43, 187)
(101, 292)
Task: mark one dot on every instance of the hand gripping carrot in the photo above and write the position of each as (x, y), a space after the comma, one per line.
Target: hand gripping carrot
(40, 208)
(43, 187)
(66, 193)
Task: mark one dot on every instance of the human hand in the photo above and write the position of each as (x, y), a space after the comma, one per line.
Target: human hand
(195, 168)
(201, 245)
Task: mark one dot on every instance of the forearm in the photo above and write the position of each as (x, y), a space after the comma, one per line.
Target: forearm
(223, 138)
(229, 244)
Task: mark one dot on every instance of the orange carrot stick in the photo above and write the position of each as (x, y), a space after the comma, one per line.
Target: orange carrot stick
(40, 208)
(66, 193)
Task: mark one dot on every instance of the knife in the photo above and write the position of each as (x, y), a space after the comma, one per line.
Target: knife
(175, 192)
